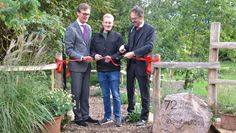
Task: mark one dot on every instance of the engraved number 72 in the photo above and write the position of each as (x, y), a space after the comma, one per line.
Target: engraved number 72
(172, 102)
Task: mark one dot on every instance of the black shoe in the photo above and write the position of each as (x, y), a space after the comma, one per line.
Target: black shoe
(91, 120)
(141, 123)
(81, 123)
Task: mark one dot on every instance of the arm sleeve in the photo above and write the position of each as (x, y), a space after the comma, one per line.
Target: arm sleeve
(70, 35)
(119, 42)
(147, 47)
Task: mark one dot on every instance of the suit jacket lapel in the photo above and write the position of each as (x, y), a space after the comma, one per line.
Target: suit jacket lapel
(140, 33)
(89, 35)
(132, 32)
(79, 31)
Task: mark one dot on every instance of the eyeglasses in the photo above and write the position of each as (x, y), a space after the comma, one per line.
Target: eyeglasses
(134, 19)
(85, 14)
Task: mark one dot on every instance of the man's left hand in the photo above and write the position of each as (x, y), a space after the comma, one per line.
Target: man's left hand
(129, 55)
(87, 59)
(107, 59)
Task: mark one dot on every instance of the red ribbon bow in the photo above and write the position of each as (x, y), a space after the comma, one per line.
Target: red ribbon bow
(149, 61)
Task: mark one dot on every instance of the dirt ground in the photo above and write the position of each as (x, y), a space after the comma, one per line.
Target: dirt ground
(96, 112)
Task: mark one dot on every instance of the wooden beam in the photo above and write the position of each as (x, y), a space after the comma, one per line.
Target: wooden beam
(29, 68)
(223, 82)
(57, 78)
(226, 45)
(187, 65)
(213, 73)
(156, 97)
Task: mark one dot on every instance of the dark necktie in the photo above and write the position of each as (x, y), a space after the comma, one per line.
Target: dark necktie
(85, 34)
(137, 28)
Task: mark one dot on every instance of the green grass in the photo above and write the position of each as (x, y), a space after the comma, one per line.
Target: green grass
(200, 88)
(227, 99)
(227, 70)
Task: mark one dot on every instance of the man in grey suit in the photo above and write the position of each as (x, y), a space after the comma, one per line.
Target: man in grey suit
(77, 40)
(140, 44)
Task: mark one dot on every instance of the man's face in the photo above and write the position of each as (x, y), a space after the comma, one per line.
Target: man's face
(83, 15)
(135, 19)
(107, 24)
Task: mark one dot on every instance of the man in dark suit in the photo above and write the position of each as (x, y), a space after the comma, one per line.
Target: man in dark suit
(140, 44)
(77, 40)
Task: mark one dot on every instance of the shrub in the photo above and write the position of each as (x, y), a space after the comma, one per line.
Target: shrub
(57, 102)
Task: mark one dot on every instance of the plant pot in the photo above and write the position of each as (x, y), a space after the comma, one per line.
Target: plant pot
(228, 121)
(53, 126)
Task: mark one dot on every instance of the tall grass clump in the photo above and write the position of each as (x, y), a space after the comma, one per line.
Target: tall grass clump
(20, 92)
(21, 111)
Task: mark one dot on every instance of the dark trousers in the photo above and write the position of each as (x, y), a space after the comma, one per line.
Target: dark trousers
(80, 94)
(143, 82)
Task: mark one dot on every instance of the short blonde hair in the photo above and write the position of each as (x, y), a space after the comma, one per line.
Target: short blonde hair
(107, 15)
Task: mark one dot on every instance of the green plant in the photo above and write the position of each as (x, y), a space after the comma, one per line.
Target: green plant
(21, 111)
(135, 115)
(58, 102)
(228, 109)
(98, 92)
(124, 98)
(227, 99)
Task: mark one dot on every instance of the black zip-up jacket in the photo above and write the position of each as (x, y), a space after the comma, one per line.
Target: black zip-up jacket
(109, 46)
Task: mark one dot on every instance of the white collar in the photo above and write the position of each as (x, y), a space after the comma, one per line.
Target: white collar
(80, 22)
(141, 24)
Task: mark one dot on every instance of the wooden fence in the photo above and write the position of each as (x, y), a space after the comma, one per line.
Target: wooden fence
(212, 66)
(56, 78)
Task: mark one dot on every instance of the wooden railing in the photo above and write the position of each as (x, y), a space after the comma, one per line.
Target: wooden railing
(56, 78)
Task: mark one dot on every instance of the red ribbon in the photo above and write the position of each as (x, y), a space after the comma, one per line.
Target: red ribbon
(60, 62)
(112, 61)
(147, 58)
(59, 65)
(149, 61)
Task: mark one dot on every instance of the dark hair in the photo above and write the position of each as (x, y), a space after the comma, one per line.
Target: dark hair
(138, 10)
(83, 6)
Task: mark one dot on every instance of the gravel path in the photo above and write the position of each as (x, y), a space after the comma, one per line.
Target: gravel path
(96, 112)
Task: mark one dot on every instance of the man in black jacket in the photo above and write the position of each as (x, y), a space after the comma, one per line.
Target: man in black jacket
(105, 49)
(140, 44)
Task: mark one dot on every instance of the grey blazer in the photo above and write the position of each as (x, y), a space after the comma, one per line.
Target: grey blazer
(76, 47)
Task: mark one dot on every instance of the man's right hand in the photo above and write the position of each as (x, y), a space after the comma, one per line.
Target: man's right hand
(87, 59)
(122, 49)
(98, 57)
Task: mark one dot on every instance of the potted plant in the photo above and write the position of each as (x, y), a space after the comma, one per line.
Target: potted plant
(58, 103)
(228, 116)
(227, 108)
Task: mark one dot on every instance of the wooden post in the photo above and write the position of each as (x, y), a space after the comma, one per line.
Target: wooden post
(156, 96)
(52, 79)
(58, 76)
(213, 73)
